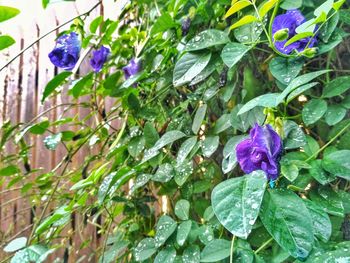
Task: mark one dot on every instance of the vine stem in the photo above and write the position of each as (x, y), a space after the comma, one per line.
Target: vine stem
(328, 143)
(263, 246)
(48, 33)
(231, 251)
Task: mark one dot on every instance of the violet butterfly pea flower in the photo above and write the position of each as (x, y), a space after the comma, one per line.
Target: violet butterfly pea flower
(261, 151)
(185, 26)
(291, 20)
(132, 68)
(66, 53)
(99, 57)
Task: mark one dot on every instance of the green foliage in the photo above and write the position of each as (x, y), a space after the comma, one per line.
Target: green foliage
(162, 181)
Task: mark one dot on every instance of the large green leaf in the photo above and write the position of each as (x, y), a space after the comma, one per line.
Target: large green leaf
(334, 114)
(54, 83)
(6, 41)
(165, 227)
(336, 87)
(216, 250)
(341, 255)
(164, 173)
(191, 254)
(207, 38)
(288, 221)
(329, 200)
(236, 202)
(321, 222)
(7, 12)
(313, 111)
(233, 53)
(267, 100)
(338, 163)
(189, 66)
(145, 249)
(285, 69)
(294, 136)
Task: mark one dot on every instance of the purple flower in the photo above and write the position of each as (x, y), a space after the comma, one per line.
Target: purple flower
(291, 20)
(261, 151)
(66, 52)
(99, 57)
(132, 68)
(185, 26)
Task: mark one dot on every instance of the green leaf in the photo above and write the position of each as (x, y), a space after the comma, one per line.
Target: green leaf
(210, 145)
(145, 249)
(216, 250)
(6, 41)
(288, 221)
(324, 8)
(78, 86)
(329, 200)
(313, 111)
(236, 202)
(16, 244)
(295, 93)
(9, 170)
(285, 69)
(229, 161)
(163, 23)
(244, 21)
(151, 135)
(54, 83)
(246, 120)
(95, 24)
(267, 100)
(183, 171)
(112, 253)
(60, 213)
(294, 136)
(165, 227)
(167, 138)
(52, 141)
(206, 39)
(321, 223)
(336, 87)
(185, 149)
(189, 66)
(7, 12)
(338, 163)
(166, 255)
(140, 181)
(182, 209)
(222, 124)
(164, 173)
(198, 118)
(328, 29)
(334, 114)
(319, 173)
(232, 53)
(191, 254)
(266, 7)
(291, 4)
(35, 253)
(237, 6)
(182, 232)
(297, 37)
(299, 81)
(249, 33)
(340, 255)
(45, 3)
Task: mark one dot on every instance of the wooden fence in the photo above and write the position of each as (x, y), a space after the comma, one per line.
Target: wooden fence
(21, 87)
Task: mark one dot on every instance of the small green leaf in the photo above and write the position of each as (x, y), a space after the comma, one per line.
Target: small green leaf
(336, 87)
(182, 232)
(145, 249)
(267, 100)
(165, 227)
(189, 66)
(206, 39)
(297, 37)
(191, 254)
(237, 6)
(52, 141)
(216, 250)
(329, 200)
(54, 83)
(313, 111)
(209, 145)
(16, 244)
(163, 23)
(266, 7)
(9, 170)
(185, 149)
(244, 21)
(319, 173)
(95, 24)
(198, 118)
(334, 114)
(6, 41)
(7, 12)
(182, 209)
(285, 69)
(338, 163)
(232, 53)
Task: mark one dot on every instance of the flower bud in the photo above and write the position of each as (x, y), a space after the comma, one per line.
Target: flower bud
(309, 52)
(281, 34)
